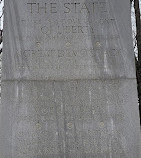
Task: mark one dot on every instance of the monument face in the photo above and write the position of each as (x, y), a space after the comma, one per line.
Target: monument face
(68, 80)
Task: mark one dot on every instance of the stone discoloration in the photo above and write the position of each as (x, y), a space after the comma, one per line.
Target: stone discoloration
(68, 80)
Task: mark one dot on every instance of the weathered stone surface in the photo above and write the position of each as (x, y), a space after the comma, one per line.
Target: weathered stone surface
(84, 117)
(68, 80)
(67, 40)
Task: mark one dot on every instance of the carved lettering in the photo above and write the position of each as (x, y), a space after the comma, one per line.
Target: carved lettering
(84, 7)
(77, 7)
(53, 8)
(31, 6)
(43, 7)
(67, 7)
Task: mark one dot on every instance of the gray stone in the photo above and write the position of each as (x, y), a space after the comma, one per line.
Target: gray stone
(56, 46)
(68, 80)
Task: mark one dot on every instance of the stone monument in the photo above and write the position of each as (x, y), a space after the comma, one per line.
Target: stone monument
(68, 80)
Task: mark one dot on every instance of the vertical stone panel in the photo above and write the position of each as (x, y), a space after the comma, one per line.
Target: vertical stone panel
(68, 80)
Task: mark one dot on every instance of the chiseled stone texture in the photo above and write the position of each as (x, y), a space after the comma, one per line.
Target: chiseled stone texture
(68, 80)
(82, 118)
(90, 43)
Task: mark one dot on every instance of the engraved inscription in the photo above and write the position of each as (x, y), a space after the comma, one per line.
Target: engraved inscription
(68, 7)
(69, 33)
